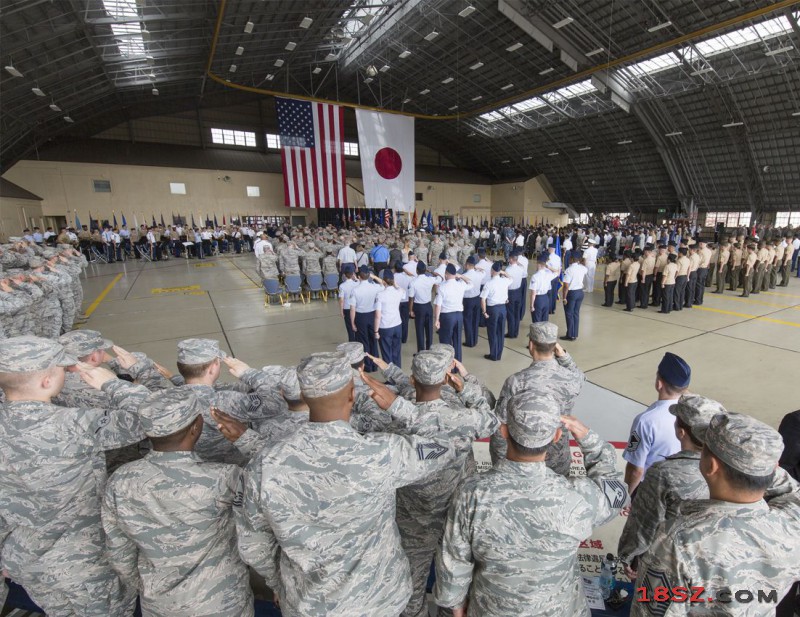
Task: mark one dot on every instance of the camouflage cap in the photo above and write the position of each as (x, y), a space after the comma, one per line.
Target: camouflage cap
(744, 443)
(168, 411)
(354, 352)
(28, 354)
(199, 351)
(446, 350)
(696, 412)
(290, 386)
(321, 374)
(544, 333)
(80, 343)
(429, 368)
(533, 419)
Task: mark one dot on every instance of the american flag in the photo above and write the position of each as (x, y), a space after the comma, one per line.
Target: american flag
(312, 153)
(387, 218)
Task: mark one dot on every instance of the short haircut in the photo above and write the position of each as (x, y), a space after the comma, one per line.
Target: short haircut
(681, 424)
(543, 348)
(745, 482)
(15, 382)
(671, 389)
(526, 451)
(193, 371)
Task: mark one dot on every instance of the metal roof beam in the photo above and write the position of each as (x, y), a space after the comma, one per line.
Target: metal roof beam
(378, 31)
(103, 21)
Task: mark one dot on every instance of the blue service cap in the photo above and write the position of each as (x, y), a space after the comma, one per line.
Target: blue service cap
(451, 269)
(541, 259)
(363, 269)
(348, 268)
(421, 267)
(577, 254)
(387, 274)
(471, 260)
(443, 255)
(481, 251)
(674, 370)
(497, 266)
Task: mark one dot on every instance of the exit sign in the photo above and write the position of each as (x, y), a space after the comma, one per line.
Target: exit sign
(662, 210)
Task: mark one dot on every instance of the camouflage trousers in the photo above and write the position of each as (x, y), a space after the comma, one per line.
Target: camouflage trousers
(50, 317)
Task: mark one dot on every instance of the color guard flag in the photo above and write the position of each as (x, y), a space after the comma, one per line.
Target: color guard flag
(312, 153)
(386, 147)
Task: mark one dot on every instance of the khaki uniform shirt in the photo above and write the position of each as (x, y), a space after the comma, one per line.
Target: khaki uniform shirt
(632, 274)
(648, 266)
(683, 265)
(694, 262)
(612, 271)
(670, 272)
(661, 262)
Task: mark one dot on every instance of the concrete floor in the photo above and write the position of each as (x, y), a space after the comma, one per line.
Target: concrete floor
(744, 352)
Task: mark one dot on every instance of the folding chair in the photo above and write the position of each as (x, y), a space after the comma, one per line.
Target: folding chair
(144, 251)
(314, 285)
(272, 288)
(294, 286)
(331, 285)
(98, 255)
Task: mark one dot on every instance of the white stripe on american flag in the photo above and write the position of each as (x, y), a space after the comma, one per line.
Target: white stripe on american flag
(310, 182)
(329, 198)
(290, 174)
(337, 142)
(320, 198)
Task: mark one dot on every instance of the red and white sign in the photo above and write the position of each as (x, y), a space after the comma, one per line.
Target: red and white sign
(386, 147)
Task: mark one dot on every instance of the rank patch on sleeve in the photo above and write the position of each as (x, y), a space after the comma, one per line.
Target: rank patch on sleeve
(633, 442)
(430, 451)
(614, 491)
(653, 580)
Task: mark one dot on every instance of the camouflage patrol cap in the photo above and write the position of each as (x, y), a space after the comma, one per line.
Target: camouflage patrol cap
(744, 443)
(168, 411)
(80, 343)
(696, 412)
(533, 419)
(199, 351)
(28, 354)
(429, 368)
(321, 374)
(543, 332)
(446, 350)
(354, 352)
(290, 386)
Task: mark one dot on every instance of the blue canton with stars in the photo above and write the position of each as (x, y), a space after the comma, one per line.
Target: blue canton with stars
(295, 123)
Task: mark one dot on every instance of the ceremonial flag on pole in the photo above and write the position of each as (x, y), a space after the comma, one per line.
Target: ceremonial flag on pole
(430, 221)
(312, 153)
(387, 221)
(423, 221)
(92, 222)
(154, 220)
(77, 221)
(162, 220)
(386, 146)
(113, 214)
(215, 220)
(124, 222)
(193, 225)
(135, 222)
(223, 220)
(414, 219)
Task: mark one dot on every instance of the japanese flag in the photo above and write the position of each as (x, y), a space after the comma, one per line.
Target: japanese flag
(386, 146)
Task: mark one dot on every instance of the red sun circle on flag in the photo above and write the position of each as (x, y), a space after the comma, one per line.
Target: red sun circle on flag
(388, 163)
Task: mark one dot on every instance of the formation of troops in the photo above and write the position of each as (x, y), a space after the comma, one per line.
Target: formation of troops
(119, 479)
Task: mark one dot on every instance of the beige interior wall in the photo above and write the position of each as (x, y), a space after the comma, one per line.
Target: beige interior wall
(535, 195)
(17, 214)
(144, 191)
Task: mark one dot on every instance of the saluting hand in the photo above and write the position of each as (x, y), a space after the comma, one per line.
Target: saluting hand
(125, 358)
(236, 367)
(379, 362)
(578, 429)
(455, 382)
(163, 371)
(230, 427)
(382, 395)
(95, 376)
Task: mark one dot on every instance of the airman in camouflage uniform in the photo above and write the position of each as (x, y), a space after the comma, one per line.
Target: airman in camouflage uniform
(555, 374)
(670, 482)
(750, 544)
(312, 260)
(52, 475)
(325, 541)
(329, 262)
(267, 265)
(169, 520)
(290, 259)
(366, 416)
(510, 543)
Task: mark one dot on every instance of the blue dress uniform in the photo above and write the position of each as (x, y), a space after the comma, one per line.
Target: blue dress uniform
(472, 306)
(515, 298)
(450, 299)
(403, 281)
(575, 276)
(495, 293)
(540, 285)
(388, 302)
(554, 265)
(485, 266)
(522, 261)
(421, 291)
(362, 297)
(344, 298)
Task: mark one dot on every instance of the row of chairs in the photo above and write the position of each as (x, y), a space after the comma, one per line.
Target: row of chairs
(300, 286)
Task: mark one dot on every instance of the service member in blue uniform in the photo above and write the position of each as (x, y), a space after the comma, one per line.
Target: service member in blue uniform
(472, 303)
(420, 307)
(362, 314)
(494, 297)
(345, 288)
(515, 297)
(448, 309)
(403, 281)
(554, 265)
(388, 320)
(484, 266)
(540, 291)
(572, 294)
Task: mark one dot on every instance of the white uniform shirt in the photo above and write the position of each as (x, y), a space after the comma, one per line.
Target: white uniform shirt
(450, 295)
(440, 269)
(345, 289)
(575, 275)
(476, 278)
(516, 273)
(346, 255)
(363, 296)
(590, 254)
(124, 233)
(496, 290)
(541, 282)
(523, 263)
(388, 303)
(410, 268)
(260, 246)
(554, 262)
(403, 281)
(486, 266)
(421, 288)
(652, 437)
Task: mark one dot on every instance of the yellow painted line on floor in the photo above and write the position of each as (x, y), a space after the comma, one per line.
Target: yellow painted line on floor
(776, 293)
(751, 300)
(205, 265)
(93, 306)
(167, 290)
(746, 316)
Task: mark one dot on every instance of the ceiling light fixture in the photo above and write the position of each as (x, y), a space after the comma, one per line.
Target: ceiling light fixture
(279, 62)
(506, 162)
(476, 66)
(453, 108)
(55, 107)
(368, 80)
(447, 80)
(37, 91)
(270, 77)
(12, 71)
(467, 11)
(564, 22)
(661, 26)
(239, 50)
(708, 69)
(232, 68)
(384, 68)
(425, 91)
(290, 46)
(779, 50)
(527, 158)
(248, 27)
(730, 125)
(624, 141)
(404, 54)
(306, 22)
(431, 35)
(546, 71)
(317, 70)
(584, 149)
(553, 154)
(594, 52)
(150, 60)
(406, 100)
(330, 57)
(507, 87)
(514, 47)
(673, 134)
(145, 34)
(154, 91)
(796, 113)
(152, 76)
(68, 119)
(477, 98)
